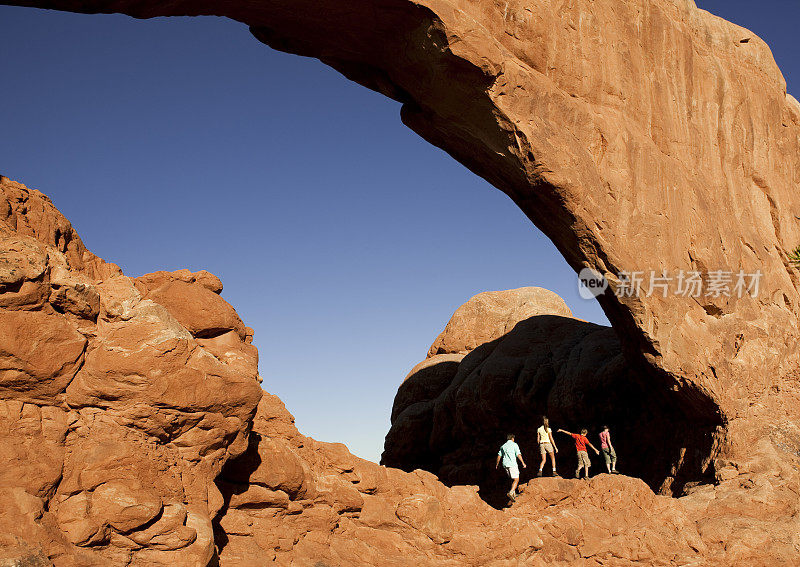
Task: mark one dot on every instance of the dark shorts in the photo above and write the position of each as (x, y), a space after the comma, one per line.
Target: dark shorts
(609, 455)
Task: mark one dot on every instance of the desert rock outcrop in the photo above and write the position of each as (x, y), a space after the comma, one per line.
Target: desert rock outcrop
(135, 440)
(492, 314)
(641, 136)
(296, 501)
(452, 412)
(117, 409)
(454, 409)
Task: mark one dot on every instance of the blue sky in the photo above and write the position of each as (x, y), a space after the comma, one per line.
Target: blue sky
(342, 238)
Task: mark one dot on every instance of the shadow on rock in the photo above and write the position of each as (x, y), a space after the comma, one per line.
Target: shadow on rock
(451, 417)
(233, 481)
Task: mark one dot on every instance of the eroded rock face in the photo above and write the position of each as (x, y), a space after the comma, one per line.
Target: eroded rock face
(136, 440)
(492, 314)
(292, 500)
(295, 501)
(455, 408)
(117, 408)
(638, 135)
(452, 412)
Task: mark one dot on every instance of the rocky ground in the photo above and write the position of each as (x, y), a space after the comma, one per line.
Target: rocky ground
(638, 135)
(133, 431)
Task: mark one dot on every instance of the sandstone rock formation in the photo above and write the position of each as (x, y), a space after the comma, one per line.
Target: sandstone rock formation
(296, 501)
(119, 404)
(498, 369)
(128, 436)
(492, 314)
(133, 432)
(638, 135)
(454, 409)
(300, 502)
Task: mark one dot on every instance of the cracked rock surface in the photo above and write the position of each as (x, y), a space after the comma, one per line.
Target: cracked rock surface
(639, 135)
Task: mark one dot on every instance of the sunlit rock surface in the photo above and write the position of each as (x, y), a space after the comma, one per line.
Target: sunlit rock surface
(116, 416)
(638, 135)
(127, 438)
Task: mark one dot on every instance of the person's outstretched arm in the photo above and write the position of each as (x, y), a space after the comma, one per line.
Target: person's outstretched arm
(497, 464)
(593, 447)
(524, 466)
(565, 431)
(552, 441)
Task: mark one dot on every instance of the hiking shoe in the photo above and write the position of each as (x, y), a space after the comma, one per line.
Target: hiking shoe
(512, 496)
(539, 474)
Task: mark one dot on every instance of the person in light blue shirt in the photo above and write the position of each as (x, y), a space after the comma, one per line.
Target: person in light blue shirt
(508, 455)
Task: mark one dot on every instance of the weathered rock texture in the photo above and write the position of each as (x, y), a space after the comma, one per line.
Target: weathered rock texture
(507, 358)
(637, 134)
(133, 432)
(120, 399)
(300, 502)
(453, 410)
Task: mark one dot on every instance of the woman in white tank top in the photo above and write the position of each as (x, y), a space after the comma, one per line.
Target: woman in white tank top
(547, 446)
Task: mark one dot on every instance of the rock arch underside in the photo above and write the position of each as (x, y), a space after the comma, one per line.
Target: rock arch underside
(637, 134)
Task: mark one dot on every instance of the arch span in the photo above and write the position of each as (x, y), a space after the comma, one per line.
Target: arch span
(625, 132)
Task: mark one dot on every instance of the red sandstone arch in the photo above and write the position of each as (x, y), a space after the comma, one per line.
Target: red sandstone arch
(636, 135)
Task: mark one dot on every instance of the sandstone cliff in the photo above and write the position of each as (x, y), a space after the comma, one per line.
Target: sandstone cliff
(497, 368)
(129, 433)
(133, 432)
(638, 135)
(113, 423)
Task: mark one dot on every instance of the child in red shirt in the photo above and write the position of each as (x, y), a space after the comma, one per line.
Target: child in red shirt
(580, 446)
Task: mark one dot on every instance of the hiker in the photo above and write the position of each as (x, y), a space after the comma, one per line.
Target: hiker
(580, 446)
(509, 453)
(547, 446)
(609, 454)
